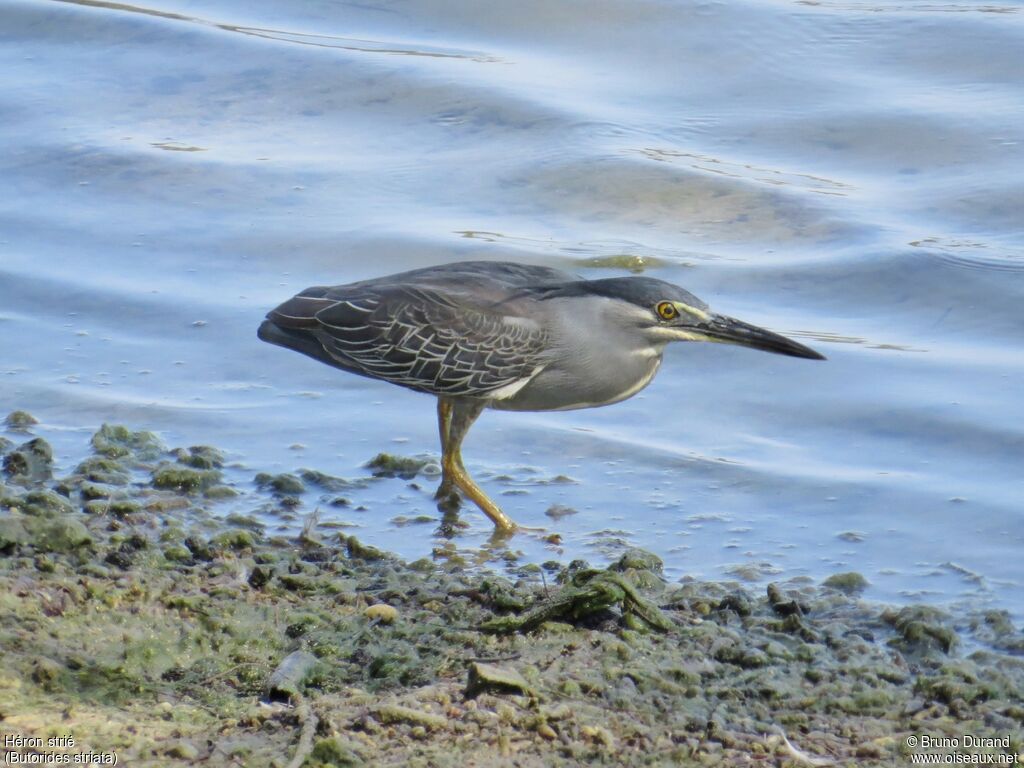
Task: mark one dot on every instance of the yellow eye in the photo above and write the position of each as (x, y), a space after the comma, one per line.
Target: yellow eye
(667, 310)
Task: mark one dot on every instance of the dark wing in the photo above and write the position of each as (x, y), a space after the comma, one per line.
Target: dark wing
(421, 338)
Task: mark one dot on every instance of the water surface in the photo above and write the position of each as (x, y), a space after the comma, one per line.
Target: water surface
(850, 173)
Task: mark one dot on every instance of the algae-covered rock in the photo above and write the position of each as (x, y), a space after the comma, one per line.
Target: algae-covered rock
(119, 558)
(100, 469)
(92, 491)
(220, 492)
(588, 592)
(177, 554)
(356, 550)
(644, 569)
(851, 583)
(328, 482)
(116, 441)
(747, 658)
(248, 522)
(44, 503)
(381, 613)
(183, 750)
(174, 477)
(62, 534)
(501, 595)
(234, 539)
(47, 674)
(290, 676)
(30, 463)
(202, 457)
(558, 511)
(334, 753)
(389, 465)
(958, 682)
(119, 508)
(12, 535)
(738, 602)
(782, 604)
(995, 628)
(200, 549)
(921, 629)
(284, 484)
(492, 678)
(20, 420)
(394, 713)
(638, 560)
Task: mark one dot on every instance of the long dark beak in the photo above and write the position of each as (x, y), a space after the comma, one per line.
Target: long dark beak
(733, 331)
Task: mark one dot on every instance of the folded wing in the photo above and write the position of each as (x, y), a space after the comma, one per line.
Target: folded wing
(421, 338)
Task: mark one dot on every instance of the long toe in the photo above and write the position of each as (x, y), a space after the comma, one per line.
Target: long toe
(475, 493)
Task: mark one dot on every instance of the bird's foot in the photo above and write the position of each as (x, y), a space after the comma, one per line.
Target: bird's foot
(448, 499)
(446, 490)
(451, 524)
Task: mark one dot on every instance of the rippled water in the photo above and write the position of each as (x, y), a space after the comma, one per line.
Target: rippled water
(850, 173)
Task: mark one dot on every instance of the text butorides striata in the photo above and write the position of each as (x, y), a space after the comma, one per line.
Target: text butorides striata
(482, 335)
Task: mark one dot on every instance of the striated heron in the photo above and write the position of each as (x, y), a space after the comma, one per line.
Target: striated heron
(501, 335)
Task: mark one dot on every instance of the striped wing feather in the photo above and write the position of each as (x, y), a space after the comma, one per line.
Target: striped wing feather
(429, 341)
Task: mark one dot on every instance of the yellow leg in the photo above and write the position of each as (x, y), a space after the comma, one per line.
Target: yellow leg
(454, 419)
(444, 423)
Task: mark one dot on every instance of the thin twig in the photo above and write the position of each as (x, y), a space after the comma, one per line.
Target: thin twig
(800, 754)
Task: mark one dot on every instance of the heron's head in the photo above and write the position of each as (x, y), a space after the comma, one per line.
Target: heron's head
(663, 312)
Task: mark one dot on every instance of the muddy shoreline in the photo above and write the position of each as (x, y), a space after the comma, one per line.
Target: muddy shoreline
(140, 621)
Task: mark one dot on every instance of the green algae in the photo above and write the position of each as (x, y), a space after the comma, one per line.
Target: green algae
(220, 492)
(201, 457)
(921, 629)
(177, 554)
(12, 535)
(329, 482)
(19, 420)
(100, 469)
(30, 463)
(61, 534)
(851, 583)
(591, 592)
(357, 550)
(238, 538)
(184, 479)
(633, 262)
(282, 484)
(390, 465)
(116, 441)
(119, 508)
(493, 678)
(333, 752)
(39, 503)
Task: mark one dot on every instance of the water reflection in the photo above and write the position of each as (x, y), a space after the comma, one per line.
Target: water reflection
(815, 184)
(974, 254)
